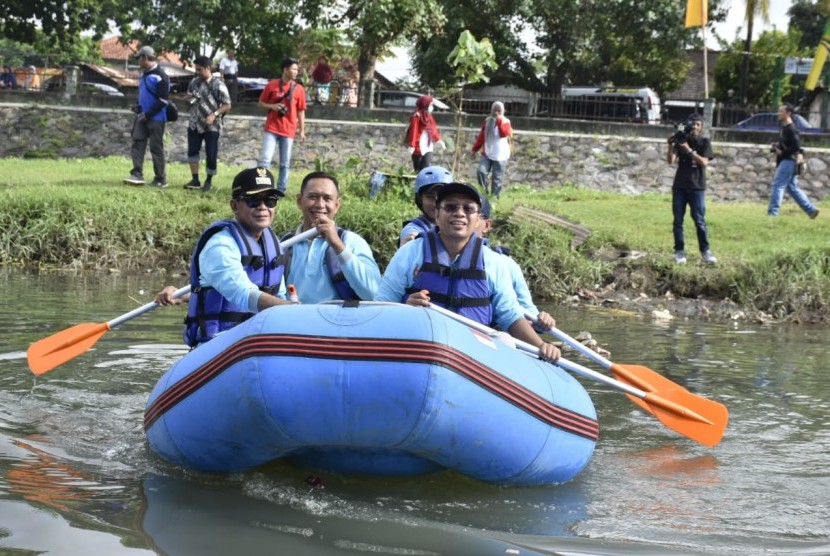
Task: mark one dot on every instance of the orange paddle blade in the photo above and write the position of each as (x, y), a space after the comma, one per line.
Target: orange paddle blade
(46, 354)
(677, 408)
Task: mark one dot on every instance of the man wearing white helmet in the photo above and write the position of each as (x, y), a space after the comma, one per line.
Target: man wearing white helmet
(427, 183)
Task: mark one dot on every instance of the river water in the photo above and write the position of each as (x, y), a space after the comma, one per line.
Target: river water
(77, 477)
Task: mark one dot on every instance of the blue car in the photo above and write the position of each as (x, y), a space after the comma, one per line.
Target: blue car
(768, 121)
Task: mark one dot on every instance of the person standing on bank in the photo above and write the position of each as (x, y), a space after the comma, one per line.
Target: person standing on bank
(229, 68)
(209, 101)
(285, 101)
(692, 152)
(786, 176)
(150, 120)
(422, 134)
(236, 268)
(494, 140)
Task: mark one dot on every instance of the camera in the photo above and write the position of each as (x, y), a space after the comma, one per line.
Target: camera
(282, 110)
(683, 131)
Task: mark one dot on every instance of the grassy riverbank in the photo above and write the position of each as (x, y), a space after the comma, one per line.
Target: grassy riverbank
(76, 214)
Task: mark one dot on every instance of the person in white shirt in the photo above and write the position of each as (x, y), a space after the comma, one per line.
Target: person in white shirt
(494, 140)
(229, 68)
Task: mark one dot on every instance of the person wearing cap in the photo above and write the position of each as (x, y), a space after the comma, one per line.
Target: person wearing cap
(452, 268)
(494, 141)
(338, 264)
(427, 183)
(236, 269)
(422, 134)
(285, 101)
(545, 321)
(209, 101)
(149, 124)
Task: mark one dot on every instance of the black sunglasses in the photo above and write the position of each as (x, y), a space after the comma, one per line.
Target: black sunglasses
(253, 201)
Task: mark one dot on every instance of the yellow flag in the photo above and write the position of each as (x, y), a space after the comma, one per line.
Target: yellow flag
(697, 13)
(818, 61)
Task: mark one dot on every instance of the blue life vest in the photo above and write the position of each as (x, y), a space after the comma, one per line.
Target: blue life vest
(422, 223)
(462, 289)
(208, 313)
(335, 269)
(500, 249)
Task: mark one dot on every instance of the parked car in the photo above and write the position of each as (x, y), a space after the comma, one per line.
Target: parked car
(768, 121)
(99, 89)
(404, 100)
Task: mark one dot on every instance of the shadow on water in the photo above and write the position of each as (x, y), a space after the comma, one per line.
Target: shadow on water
(77, 477)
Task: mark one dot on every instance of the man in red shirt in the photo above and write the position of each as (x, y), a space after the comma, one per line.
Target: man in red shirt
(284, 99)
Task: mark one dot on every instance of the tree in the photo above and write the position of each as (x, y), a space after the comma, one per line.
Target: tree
(61, 21)
(763, 67)
(470, 59)
(375, 25)
(753, 8)
(261, 31)
(586, 42)
(809, 18)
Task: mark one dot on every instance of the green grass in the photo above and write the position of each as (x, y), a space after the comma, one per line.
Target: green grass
(78, 214)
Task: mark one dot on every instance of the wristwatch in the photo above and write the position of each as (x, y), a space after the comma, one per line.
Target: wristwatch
(216, 113)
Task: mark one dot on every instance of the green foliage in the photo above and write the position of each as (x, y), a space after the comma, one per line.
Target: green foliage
(809, 19)
(763, 61)
(471, 59)
(63, 22)
(72, 214)
(261, 31)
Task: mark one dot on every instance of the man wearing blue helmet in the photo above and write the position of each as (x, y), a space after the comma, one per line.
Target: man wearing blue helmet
(427, 183)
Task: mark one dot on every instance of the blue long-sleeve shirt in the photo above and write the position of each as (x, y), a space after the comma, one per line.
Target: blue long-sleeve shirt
(221, 268)
(309, 274)
(400, 275)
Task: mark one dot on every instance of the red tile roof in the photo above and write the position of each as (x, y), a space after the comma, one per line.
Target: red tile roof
(112, 49)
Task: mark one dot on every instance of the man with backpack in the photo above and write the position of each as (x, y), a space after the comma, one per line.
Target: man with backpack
(151, 117)
(285, 101)
(209, 101)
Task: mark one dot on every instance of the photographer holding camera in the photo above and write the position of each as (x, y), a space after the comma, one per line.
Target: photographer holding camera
(786, 152)
(284, 99)
(692, 152)
(209, 100)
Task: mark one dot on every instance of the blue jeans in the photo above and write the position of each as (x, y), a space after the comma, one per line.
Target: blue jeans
(194, 144)
(697, 205)
(269, 143)
(786, 178)
(485, 166)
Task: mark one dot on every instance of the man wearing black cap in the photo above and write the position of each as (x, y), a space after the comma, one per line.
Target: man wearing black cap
(452, 268)
(151, 115)
(236, 269)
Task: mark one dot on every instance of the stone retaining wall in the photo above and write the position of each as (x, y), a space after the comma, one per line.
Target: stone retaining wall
(541, 159)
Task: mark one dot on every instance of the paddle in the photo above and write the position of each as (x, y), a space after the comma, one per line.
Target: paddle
(635, 375)
(689, 414)
(55, 350)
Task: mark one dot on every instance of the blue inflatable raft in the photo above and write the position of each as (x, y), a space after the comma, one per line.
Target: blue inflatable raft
(371, 389)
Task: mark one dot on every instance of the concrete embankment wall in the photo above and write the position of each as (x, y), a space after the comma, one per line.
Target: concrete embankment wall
(612, 159)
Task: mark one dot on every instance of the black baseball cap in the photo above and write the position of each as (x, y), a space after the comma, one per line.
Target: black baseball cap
(253, 181)
(459, 188)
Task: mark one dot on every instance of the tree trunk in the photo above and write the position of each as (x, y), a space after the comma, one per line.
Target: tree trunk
(745, 61)
(366, 65)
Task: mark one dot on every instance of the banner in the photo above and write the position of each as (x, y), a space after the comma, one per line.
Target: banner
(697, 13)
(818, 61)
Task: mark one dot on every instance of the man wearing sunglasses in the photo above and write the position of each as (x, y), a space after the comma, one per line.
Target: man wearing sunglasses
(236, 269)
(452, 268)
(338, 264)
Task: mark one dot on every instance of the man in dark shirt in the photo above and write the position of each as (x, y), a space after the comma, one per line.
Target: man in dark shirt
(786, 178)
(692, 155)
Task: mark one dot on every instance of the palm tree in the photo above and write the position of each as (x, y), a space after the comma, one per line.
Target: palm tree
(753, 8)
